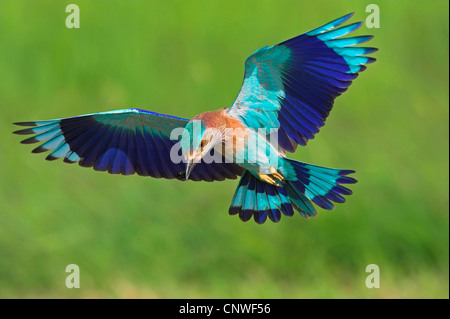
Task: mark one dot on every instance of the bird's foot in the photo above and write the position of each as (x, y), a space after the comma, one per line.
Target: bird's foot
(275, 174)
(268, 179)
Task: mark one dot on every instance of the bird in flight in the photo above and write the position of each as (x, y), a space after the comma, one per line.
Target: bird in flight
(286, 95)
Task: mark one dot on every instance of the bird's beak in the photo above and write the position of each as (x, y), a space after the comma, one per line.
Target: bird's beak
(190, 165)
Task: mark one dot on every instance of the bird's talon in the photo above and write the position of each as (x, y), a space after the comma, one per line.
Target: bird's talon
(268, 179)
(275, 174)
(278, 176)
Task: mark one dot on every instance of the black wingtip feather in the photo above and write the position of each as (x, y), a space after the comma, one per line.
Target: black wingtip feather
(24, 132)
(39, 149)
(25, 123)
(51, 158)
(30, 140)
(68, 161)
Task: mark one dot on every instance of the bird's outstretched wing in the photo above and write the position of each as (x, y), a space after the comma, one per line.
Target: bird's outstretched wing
(291, 86)
(121, 142)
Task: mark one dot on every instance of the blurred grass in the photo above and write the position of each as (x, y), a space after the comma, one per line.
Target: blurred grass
(141, 237)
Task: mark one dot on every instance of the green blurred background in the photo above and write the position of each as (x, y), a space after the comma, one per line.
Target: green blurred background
(136, 237)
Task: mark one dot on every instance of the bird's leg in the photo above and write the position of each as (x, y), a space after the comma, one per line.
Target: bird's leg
(268, 179)
(275, 174)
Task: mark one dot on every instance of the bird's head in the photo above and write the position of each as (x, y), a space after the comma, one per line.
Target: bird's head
(197, 141)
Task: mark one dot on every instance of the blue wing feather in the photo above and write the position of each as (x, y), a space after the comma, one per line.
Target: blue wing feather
(121, 142)
(330, 25)
(296, 81)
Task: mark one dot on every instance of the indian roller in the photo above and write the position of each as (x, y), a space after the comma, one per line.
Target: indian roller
(286, 95)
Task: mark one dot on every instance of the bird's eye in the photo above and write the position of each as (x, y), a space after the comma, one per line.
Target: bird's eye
(203, 143)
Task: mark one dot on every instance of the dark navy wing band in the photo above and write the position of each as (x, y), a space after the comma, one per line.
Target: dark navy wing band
(121, 142)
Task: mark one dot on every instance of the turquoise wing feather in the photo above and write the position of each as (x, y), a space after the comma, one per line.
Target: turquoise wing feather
(290, 87)
(121, 142)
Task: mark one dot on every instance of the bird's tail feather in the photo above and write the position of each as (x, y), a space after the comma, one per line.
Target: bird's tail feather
(259, 199)
(322, 185)
(307, 183)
